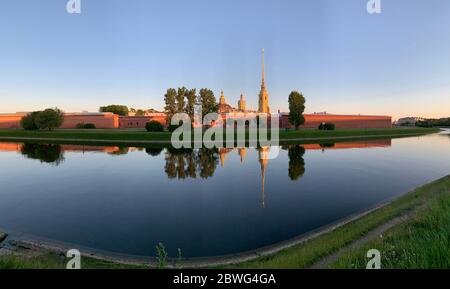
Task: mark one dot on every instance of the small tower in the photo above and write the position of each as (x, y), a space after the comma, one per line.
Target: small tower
(222, 98)
(241, 103)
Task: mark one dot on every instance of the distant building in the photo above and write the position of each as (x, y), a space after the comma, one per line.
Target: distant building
(408, 121)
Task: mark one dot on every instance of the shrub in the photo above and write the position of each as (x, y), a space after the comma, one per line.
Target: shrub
(161, 254)
(50, 118)
(154, 126)
(86, 126)
(327, 126)
(28, 121)
(90, 126)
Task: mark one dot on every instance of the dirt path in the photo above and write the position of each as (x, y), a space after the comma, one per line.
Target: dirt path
(371, 235)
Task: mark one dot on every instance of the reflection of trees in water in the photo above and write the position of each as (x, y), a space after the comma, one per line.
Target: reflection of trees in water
(187, 163)
(46, 153)
(296, 161)
(154, 152)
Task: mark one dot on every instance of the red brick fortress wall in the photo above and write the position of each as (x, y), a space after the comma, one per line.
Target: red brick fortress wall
(340, 121)
(100, 120)
(10, 120)
(71, 120)
(141, 121)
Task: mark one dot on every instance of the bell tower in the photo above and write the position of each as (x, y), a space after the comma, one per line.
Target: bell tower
(241, 103)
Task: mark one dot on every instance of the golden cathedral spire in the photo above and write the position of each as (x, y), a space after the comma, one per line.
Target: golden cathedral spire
(263, 68)
(263, 94)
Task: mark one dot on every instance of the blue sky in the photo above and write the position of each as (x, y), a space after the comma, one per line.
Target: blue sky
(343, 59)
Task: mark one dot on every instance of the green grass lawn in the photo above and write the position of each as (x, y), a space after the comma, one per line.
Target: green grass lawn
(143, 136)
(57, 261)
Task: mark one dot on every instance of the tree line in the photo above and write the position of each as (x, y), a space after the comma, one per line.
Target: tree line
(442, 122)
(123, 110)
(183, 100)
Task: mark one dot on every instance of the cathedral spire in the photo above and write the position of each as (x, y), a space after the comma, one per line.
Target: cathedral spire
(263, 106)
(263, 68)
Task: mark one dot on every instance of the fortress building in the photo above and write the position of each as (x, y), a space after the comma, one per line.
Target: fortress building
(312, 121)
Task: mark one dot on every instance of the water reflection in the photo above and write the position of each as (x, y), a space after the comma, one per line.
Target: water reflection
(154, 152)
(46, 153)
(211, 200)
(296, 162)
(188, 163)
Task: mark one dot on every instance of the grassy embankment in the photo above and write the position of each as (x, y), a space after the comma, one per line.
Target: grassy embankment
(142, 137)
(422, 241)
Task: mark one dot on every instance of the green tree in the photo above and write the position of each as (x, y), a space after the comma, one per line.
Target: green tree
(296, 109)
(114, 108)
(140, 112)
(50, 119)
(191, 96)
(154, 126)
(208, 101)
(28, 122)
(181, 103)
(171, 105)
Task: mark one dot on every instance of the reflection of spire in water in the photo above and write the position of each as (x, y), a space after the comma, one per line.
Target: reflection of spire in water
(263, 160)
(223, 155)
(242, 153)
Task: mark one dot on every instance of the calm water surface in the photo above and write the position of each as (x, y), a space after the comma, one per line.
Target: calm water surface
(206, 202)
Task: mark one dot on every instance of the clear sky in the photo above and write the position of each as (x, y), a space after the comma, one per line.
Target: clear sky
(343, 59)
